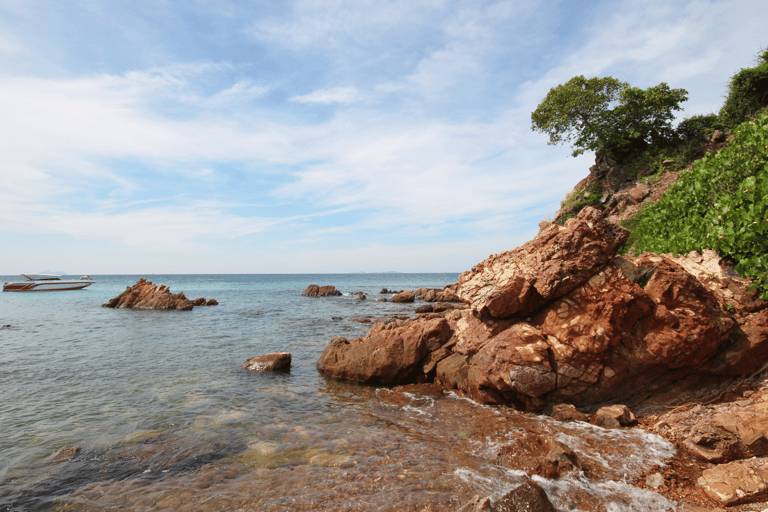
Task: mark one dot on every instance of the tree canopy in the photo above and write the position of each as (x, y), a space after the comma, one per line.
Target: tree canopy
(608, 116)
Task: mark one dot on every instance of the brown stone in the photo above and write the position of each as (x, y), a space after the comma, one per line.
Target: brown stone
(274, 362)
(568, 412)
(145, 295)
(389, 354)
(314, 290)
(403, 297)
(538, 454)
(744, 481)
(613, 416)
(558, 260)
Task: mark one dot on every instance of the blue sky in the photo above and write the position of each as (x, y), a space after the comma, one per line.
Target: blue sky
(314, 136)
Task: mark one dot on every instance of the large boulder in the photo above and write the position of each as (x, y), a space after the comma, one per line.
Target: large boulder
(631, 325)
(559, 259)
(389, 354)
(145, 295)
(314, 290)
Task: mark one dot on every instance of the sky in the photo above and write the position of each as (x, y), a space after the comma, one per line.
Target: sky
(315, 136)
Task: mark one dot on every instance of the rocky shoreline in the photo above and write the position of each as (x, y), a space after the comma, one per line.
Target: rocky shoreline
(563, 319)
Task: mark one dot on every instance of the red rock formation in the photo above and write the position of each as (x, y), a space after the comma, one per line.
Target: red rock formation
(389, 354)
(314, 290)
(597, 326)
(145, 295)
(558, 260)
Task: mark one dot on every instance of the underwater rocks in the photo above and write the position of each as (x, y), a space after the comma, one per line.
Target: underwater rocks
(529, 497)
(145, 295)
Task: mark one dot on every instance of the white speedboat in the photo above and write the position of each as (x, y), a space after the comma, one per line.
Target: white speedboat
(47, 283)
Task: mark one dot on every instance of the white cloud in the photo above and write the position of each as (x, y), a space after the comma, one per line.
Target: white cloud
(343, 95)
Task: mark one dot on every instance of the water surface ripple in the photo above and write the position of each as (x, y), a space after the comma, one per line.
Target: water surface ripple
(153, 411)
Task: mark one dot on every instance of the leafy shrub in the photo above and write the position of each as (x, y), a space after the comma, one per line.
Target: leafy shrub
(747, 93)
(696, 128)
(721, 204)
(588, 196)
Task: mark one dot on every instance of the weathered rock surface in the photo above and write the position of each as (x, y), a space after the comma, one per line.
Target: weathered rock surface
(743, 481)
(314, 290)
(539, 454)
(404, 297)
(599, 326)
(558, 260)
(613, 416)
(145, 295)
(528, 497)
(274, 362)
(389, 354)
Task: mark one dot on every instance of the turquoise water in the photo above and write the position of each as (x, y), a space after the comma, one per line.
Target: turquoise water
(163, 417)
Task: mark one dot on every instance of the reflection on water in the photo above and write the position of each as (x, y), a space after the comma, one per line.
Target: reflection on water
(152, 411)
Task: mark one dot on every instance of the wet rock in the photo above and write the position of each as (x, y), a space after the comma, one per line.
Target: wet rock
(654, 481)
(528, 497)
(477, 504)
(614, 416)
(63, 454)
(274, 362)
(558, 260)
(744, 481)
(404, 297)
(314, 290)
(540, 455)
(385, 291)
(568, 412)
(212, 302)
(145, 295)
(389, 354)
(425, 308)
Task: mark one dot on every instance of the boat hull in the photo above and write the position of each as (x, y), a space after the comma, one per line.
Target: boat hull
(58, 286)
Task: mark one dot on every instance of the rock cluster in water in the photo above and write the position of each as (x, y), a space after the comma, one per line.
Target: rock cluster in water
(145, 295)
(564, 319)
(314, 290)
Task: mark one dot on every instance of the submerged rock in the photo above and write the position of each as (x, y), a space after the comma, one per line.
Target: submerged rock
(274, 362)
(145, 295)
(528, 497)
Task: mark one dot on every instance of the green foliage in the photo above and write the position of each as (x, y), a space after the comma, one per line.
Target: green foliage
(580, 112)
(720, 204)
(588, 196)
(747, 93)
(575, 111)
(696, 128)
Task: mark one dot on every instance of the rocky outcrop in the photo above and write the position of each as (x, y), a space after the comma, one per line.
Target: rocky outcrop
(390, 353)
(404, 297)
(274, 362)
(562, 319)
(559, 259)
(145, 295)
(314, 290)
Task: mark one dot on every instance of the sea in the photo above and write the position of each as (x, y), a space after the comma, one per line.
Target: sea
(104, 409)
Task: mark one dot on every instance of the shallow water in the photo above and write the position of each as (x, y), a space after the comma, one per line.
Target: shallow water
(165, 418)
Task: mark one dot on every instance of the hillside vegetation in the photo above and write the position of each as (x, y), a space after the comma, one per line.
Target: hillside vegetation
(719, 202)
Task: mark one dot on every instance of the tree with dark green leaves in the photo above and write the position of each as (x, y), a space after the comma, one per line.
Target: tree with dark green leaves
(747, 93)
(608, 116)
